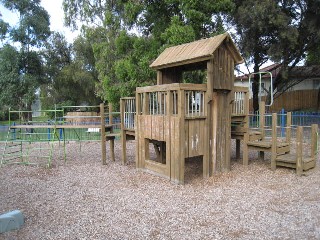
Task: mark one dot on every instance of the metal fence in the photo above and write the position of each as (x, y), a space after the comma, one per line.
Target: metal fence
(70, 134)
(298, 119)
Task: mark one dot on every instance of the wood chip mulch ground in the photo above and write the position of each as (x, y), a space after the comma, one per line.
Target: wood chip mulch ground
(83, 199)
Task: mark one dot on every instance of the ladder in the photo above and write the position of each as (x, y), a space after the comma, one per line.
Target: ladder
(29, 146)
(12, 148)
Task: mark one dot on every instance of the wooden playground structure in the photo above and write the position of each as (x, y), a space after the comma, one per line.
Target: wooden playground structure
(172, 120)
(180, 121)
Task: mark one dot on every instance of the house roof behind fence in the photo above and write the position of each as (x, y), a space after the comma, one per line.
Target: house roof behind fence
(194, 52)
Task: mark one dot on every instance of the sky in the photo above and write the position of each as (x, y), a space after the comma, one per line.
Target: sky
(54, 8)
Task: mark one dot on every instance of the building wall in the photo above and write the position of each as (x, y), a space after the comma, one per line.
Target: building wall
(309, 84)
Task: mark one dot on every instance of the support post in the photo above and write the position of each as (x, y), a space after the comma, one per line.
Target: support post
(262, 110)
(111, 131)
(238, 148)
(288, 129)
(314, 140)
(103, 135)
(123, 134)
(274, 142)
(299, 167)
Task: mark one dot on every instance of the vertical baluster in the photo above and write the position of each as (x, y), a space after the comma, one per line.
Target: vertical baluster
(165, 103)
(176, 102)
(188, 103)
(150, 106)
(202, 98)
(242, 102)
(160, 105)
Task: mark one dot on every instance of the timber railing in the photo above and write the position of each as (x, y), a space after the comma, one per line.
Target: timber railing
(175, 99)
(128, 111)
(240, 105)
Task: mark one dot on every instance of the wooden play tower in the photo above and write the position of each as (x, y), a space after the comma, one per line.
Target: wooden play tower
(180, 120)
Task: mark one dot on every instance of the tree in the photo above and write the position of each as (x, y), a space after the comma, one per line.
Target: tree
(70, 71)
(123, 58)
(31, 32)
(282, 31)
(10, 86)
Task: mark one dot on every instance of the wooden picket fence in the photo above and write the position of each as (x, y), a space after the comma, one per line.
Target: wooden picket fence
(295, 100)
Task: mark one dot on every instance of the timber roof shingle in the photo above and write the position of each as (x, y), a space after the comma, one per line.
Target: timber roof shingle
(194, 52)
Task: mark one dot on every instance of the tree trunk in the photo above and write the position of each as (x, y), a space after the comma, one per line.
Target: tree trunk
(255, 88)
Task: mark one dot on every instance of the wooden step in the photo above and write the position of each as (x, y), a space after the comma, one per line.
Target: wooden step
(289, 160)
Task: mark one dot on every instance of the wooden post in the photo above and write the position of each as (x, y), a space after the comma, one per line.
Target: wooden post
(245, 152)
(103, 135)
(122, 132)
(314, 140)
(181, 160)
(210, 125)
(111, 131)
(288, 129)
(274, 142)
(237, 148)
(159, 77)
(299, 167)
(246, 129)
(228, 109)
(205, 157)
(262, 110)
(139, 105)
(177, 163)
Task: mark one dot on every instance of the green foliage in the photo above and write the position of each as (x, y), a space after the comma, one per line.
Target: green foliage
(313, 55)
(10, 85)
(122, 59)
(4, 29)
(22, 69)
(33, 28)
(129, 66)
(71, 72)
(177, 33)
(282, 31)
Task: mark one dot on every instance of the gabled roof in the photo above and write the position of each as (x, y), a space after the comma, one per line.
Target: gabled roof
(273, 68)
(297, 72)
(194, 52)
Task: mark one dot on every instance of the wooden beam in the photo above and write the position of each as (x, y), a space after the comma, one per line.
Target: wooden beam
(103, 135)
(299, 166)
(122, 132)
(274, 142)
(111, 131)
(314, 140)
(262, 110)
(288, 129)
(209, 80)
(159, 77)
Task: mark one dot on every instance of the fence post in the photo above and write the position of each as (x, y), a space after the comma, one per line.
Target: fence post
(49, 137)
